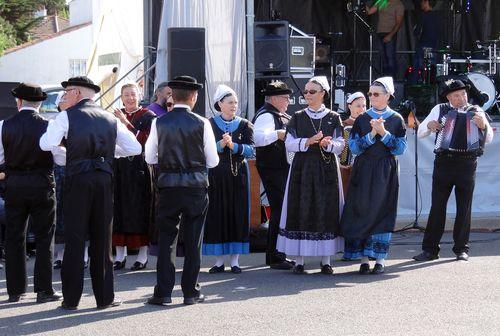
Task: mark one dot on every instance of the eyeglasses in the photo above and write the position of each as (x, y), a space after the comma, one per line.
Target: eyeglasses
(284, 97)
(311, 91)
(375, 94)
(68, 90)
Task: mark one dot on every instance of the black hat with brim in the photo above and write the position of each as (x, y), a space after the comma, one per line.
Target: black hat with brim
(276, 88)
(29, 92)
(82, 81)
(185, 83)
(453, 85)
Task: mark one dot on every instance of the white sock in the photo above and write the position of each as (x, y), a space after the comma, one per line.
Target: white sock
(299, 260)
(381, 261)
(58, 251)
(142, 256)
(365, 260)
(120, 253)
(235, 260)
(219, 261)
(86, 253)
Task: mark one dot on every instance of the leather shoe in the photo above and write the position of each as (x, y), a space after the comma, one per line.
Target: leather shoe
(118, 265)
(283, 265)
(216, 269)
(364, 269)
(14, 298)
(298, 269)
(463, 256)
(116, 302)
(235, 269)
(326, 269)
(57, 264)
(426, 256)
(378, 269)
(191, 301)
(159, 301)
(86, 264)
(42, 297)
(138, 266)
(66, 306)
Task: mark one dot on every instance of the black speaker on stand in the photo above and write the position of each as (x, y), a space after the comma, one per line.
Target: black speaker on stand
(272, 49)
(186, 56)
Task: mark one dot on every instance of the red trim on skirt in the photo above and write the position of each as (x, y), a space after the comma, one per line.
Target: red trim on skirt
(131, 240)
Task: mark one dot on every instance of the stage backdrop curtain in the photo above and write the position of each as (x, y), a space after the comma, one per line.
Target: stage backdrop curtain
(486, 202)
(225, 45)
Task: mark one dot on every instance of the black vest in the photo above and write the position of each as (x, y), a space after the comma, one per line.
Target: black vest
(91, 139)
(273, 155)
(181, 154)
(20, 137)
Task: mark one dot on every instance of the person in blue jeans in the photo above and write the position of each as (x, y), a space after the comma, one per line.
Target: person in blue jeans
(390, 19)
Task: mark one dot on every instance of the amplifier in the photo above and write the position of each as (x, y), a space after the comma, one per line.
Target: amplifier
(302, 54)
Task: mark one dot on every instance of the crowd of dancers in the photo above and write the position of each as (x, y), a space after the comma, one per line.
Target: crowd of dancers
(168, 182)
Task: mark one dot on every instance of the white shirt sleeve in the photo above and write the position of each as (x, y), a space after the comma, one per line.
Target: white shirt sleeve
(264, 132)
(126, 143)
(2, 156)
(295, 144)
(210, 148)
(423, 131)
(488, 135)
(59, 155)
(337, 145)
(151, 147)
(56, 131)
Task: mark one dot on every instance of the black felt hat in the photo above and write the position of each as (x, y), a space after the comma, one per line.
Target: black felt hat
(276, 88)
(29, 92)
(82, 81)
(185, 83)
(452, 85)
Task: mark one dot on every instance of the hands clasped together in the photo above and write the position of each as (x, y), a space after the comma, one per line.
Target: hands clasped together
(377, 127)
(319, 138)
(227, 140)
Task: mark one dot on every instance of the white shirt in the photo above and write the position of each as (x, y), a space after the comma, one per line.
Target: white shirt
(58, 153)
(126, 143)
(264, 130)
(209, 146)
(423, 131)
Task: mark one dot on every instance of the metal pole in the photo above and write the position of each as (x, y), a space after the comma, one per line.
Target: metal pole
(250, 60)
(371, 59)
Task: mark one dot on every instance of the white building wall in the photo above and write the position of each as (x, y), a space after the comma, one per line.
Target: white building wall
(80, 11)
(47, 62)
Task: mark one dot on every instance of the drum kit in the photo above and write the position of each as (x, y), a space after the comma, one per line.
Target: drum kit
(481, 66)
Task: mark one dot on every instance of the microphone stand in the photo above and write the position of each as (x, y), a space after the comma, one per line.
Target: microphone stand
(370, 32)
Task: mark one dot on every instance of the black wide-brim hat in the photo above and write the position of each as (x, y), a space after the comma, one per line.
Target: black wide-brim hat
(29, 92)
(185, 83)
(276, 88)
(82, 81)
(452, 85)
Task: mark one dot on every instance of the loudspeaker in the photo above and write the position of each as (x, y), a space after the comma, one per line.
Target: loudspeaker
(8, 105)
(186, 56)
(272, 49)
(302, 57)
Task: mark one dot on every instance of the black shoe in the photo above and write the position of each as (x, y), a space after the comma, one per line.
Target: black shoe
(216, 269)
(118, 265)
(14, 298)
(57, 264)
(326, 269)
(235, 269)
(159, 301)
(116, 302)
(364, 269)
(298, 269)
(42, 297)
(378, 269)
(191, 301)
(138, 266)
(283, 265)
(86, 264)
(64, 305)
(463, 256)
(426, 256)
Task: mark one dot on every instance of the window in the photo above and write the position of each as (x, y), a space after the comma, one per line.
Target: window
(77, 67)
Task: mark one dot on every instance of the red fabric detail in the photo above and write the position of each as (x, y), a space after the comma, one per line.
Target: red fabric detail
(133, 241)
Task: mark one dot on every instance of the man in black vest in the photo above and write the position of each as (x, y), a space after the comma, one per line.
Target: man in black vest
(461, 130)
(92, 137)
(183, 145)
(29, 191)
(272, 164)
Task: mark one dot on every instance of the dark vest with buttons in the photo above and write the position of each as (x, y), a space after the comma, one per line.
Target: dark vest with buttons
(181, 154)
(20, 138)
(273, 155)
(459, 137)
(91, 141)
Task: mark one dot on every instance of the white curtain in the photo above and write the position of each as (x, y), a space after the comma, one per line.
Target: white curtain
(225, 45)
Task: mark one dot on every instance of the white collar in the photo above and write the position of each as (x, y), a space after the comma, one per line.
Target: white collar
(29, 108)
(183, 106)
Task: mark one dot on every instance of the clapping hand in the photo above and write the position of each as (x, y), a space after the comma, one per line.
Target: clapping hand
(377, 127)
(326, 141)
(314, 139)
